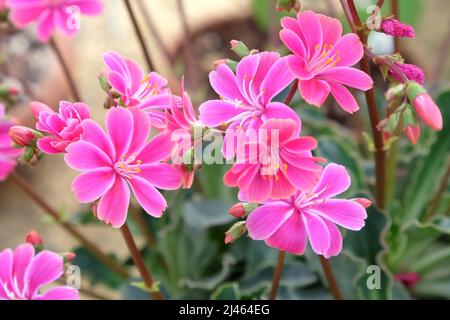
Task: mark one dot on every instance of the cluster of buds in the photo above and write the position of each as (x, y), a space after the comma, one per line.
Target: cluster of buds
(239, 210)
(241, 49)
(35, 239)
(395, 28)
(24, 137)
(8, 94)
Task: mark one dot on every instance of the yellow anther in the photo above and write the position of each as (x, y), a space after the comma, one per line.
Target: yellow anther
(285, 167)
(149, 86)
(146, 78)
(138, 161)
(252, 78)
(317, 47)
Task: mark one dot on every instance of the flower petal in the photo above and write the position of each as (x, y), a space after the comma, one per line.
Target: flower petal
(148, 197)
(141, 130)
(158, 149)
(94, 134)
(60, 293)
(214, 113)
(293, 42)
(348, 76)
(291, 236)
(346, 213)
(312, 29)
(44, 268)
(278, 78)
(91, 185)
(331, 29)
(343, 97)
(83, 155)
(119, 124)
(224, 83)
(266, 220)
(335, 240)
(333, 181)
(161, 175)
(298, 67)
(22, 258)
(349, 49)
(259, 189)
(314, 91)
(113, 205)
(318, 233)
(278, 110)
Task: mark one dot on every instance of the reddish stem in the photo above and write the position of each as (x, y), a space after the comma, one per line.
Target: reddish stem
(277, 275)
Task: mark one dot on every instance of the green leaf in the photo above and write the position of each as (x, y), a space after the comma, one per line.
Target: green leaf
(204, 214)
(227, 291)
(130, 291)
(424, 178)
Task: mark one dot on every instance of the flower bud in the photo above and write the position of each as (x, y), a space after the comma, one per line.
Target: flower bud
(424, 105)
(409, 279)
(241, 210)
(413, 133)
(33, 238)
(395, 28)
(411, 71)
(219, 62)
(37, 107)
(23, 136)
(68, 257)
(366, 203)
(239, 48)
(235, 232)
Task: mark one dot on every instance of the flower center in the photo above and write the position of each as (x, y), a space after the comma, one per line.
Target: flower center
(323, 57)
(128, 166)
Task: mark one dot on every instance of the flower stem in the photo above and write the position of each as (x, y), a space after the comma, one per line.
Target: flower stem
(139, 262)
(332, 284)
(139, 35)
(73, 87)
(291, 93)
(434, 204)
(277, 275)
(90, 246)
(380, 154)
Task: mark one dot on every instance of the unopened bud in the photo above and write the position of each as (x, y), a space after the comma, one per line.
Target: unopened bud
(413, 133)
(23, 136)
(240, 210)
(235, 232)
(366, 203)
(239, 48)
(424, 105)
(219, 62)
(33, 238)
(69, 257)
(395, 28)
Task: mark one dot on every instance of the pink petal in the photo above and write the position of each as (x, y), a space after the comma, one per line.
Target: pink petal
(119, 124)
(94, 134)
(314, 91)
(245, 71)
(259, 189)
(44, 268)
(331, 29)
(22, 257)
(333, 181)
(159, 148)
(335, 240)
(285, 128)
(278, 110)
(343, 97)
(282, 188)
(224, 83)
(88, 7)
(298, 67)
(83, 155)
(302, 179)
(291, 236)
(6, 265)
(60, 293)
(141, 130)
(350, 50)
(278, 78)
(148, 197)
(117, 82)
(214, 113)
(318, 233)
(346, 213)
(6, 166)
(293, 42)
(113, 205)
(348, 76)
(161, 175)
(22, 15)
(266, 60)
(266, 220)
(45, 25)
(312, 29)
(91, 185)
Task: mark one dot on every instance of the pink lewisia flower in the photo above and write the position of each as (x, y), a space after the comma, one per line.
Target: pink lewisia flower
(111, 163)
(149, 92)
(323, 58)
(287, 224)
(8, 154)
(63, 127)
(395, 28)
(246, 98)
(23, 274)
(278, 170)
(51, 15)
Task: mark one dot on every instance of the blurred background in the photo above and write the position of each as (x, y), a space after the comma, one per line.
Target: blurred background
(211, 24)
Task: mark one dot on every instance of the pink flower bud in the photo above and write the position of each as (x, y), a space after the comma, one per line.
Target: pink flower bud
(235, 232)
(428, 111)
(409, 279)
(37, 107)
(411, 71)
(366, 203)
(69, 257)
(13, 91)
(23, 136)
(237, 210)
(395, 28)
(33, 238)
(219, 62)
(413, 133)
(228, 238)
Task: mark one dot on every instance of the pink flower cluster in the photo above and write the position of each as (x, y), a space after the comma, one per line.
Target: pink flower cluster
(24, 274)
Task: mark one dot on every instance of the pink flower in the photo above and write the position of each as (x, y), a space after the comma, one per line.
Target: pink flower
(323, 58)
(246, 98)
(3, 5)
(63, 127)
(149, 92)
(395, 28)
(287, 224)
(411, 71)
(428, 111)
(278, 169)
(23, 275)
(111, 163)
(8, 154)
(51, 15)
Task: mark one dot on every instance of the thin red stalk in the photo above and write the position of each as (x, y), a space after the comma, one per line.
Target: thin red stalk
(291, 93)
(277, 275)
(48, 209)
(380, 154)
(71, 82)
(139, 262)
(380, 3)
(332, 284)
(139, 35)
